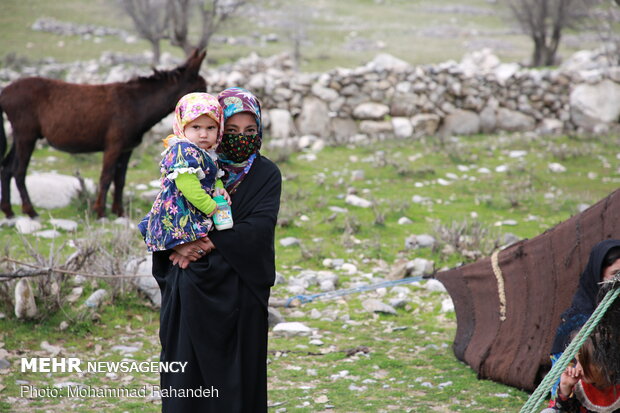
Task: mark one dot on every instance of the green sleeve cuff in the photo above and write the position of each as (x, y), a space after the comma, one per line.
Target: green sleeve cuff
(190, 187)
(219, 184)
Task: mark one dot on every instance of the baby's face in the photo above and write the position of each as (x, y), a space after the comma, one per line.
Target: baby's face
(202, 132)
(597, 380)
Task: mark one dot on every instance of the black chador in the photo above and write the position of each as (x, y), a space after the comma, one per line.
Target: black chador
(214, 313)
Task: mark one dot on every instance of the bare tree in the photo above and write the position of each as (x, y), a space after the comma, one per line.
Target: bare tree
(605, 21)
(544, 20)
(156, 20)
(212, 13)
(150, 19)
(295, 22)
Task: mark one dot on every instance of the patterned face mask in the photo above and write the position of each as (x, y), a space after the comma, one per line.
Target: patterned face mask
(238, 147)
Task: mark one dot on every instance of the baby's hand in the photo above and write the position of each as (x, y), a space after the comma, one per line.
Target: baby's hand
(224, 193)
(569, 378)
(572, 372)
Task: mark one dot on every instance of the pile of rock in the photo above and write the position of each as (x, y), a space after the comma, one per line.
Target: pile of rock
(51, 25)
(388, 97)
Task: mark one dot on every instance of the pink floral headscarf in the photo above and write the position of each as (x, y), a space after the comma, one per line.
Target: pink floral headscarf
(192, 106)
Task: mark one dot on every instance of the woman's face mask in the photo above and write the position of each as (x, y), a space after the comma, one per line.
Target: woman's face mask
(238, 147)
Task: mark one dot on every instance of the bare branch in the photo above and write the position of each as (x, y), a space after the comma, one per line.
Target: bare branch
(34, 270)
(179, 22)
(155, 20)
(544, 21)
(150, 19)
(211, 15)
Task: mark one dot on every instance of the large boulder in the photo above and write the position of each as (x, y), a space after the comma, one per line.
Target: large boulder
(282, 125)
(143, 280)
(385, 61)
(479, 61)
(488, 120)
(25, 306)
(51, 190)
(586, 60)
(505, 71)
(514, 121)
(425, 124)
(343, 129)
(314, 117)
(550, 126)
(592, 105)
(404, 104)
(402, 127)
(376, 128)
(461, 122)
(371, 110)
(324, 93)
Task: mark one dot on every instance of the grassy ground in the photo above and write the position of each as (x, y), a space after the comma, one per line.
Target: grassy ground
(403, 362)
(345, 33)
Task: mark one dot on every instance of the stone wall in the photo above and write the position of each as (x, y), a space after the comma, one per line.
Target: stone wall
(388, 97)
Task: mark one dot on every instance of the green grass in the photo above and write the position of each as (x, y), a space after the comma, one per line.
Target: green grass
(126, 320)
(409, 355)
(515, 195)
(408, 368)
(411, 30)
(19, 39)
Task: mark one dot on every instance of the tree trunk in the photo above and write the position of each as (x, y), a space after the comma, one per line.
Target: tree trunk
(179, 11)
(554, 44)
(297, 53)
(550, 54)
(539, 51)
(156, 52)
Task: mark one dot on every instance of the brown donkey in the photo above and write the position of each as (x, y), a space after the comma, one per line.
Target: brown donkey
(88, 118)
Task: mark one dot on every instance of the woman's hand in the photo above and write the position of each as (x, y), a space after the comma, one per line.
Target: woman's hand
(192, 251)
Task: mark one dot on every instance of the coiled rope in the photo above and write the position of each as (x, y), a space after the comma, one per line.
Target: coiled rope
(533, 403)
(501, 289)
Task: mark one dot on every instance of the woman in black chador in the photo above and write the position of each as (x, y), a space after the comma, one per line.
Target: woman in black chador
(215, 290)
(603, 263)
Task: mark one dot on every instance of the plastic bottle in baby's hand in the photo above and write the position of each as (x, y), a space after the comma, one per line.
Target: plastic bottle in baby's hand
(223, 214)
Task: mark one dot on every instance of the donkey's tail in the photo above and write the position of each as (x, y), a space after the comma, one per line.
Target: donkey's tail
(2, 137)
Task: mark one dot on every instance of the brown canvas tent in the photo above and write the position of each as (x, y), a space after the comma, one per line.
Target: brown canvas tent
(508, 306)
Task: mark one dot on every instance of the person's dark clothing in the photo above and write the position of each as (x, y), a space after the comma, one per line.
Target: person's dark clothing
(584, 300)
(214, 313)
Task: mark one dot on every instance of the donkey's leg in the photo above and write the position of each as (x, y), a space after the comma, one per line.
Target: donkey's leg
(23, 151)
(119, 182)
(110, 158)
(6, 173)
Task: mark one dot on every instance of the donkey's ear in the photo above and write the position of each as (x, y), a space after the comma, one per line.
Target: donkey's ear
(191, 56)
(196, 58)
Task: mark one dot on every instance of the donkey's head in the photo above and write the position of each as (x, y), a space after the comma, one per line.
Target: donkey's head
(174, 84)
